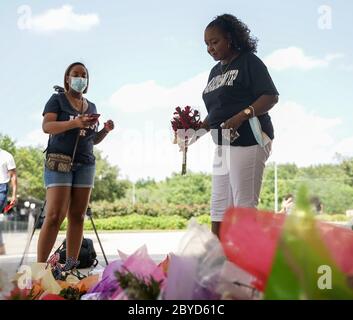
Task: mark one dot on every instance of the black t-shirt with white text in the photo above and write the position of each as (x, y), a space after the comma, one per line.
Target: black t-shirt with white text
(65, 142)
(245, 80)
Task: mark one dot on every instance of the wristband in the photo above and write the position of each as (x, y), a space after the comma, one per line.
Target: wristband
(253, 110)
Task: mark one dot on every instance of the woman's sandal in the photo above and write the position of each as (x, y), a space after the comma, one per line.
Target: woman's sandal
(61, 272)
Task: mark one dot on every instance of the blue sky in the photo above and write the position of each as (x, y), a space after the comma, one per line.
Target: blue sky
(147, 57)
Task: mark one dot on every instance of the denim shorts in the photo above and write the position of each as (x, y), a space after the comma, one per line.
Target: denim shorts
(81, 176)
(3, 201)
(3, 195)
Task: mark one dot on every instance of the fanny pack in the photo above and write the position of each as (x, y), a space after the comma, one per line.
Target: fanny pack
(59, 162)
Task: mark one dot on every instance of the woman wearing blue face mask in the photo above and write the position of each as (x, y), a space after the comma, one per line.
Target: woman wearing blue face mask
(68, 118)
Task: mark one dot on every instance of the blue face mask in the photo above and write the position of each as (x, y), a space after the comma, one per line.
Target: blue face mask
(78, 84)
(257, 131)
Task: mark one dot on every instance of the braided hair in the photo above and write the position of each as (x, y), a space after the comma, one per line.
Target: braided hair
(237, 31)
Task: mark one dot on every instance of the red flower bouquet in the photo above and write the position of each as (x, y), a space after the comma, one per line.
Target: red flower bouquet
(185, 122)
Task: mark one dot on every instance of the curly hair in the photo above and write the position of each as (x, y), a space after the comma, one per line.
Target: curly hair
(237, 31)
(67, 72)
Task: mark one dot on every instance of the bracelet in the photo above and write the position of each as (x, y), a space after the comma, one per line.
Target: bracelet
(253, 110)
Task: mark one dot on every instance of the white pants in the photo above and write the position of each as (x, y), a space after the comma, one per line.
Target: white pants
(237, 177)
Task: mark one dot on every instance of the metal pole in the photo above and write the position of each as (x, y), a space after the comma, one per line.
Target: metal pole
(133, 194)
(99, 241)
(276, 189)
(32, 234)
(89, 214)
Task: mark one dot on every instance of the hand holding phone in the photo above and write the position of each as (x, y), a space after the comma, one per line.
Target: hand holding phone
(94, 115)
(229, 134)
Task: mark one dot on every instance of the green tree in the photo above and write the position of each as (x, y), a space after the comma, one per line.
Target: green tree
(30, 164)
(287, 175)
(29, 168)
(193, 188)
(106, 183)
(328, 182)
(6, 143)
(143, 183)
(347, 166)
(335, 196)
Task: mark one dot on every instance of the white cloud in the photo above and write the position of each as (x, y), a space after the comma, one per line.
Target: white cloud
(149, 152)
(345, 147)
(150, 96)
(295, 58)
(301, 137)
(35, 138)
(62, 19)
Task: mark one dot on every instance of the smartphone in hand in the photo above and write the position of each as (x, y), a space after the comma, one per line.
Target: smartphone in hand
(229, 134)
(94, 115)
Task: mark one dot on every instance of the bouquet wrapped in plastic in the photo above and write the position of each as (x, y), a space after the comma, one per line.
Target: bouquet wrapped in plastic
(134, 277)
(184, 123)
(290, 257)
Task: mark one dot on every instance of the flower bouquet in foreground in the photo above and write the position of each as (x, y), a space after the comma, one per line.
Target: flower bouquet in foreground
(260, 255)
(185, 122)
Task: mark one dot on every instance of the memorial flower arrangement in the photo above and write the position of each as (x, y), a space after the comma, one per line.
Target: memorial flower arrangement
(184, 124)
(260, 255)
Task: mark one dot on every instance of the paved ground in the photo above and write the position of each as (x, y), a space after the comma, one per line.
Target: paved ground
(159, 244)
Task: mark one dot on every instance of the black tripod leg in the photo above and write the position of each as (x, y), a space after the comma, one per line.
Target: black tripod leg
(99, 241)
(33, 231)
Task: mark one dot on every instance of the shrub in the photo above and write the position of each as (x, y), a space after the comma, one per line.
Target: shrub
(105, 209)
(333, 217)
(204, 219)
(135, 222)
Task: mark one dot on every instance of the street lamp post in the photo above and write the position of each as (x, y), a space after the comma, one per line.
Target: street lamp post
(276, 189)
(133, 193)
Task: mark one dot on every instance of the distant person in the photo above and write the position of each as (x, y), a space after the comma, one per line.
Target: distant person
(317, 205)
(287, 204)
(68, 115)
(238, 95)
(7, 174)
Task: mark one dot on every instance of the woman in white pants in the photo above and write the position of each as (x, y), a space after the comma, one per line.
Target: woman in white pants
(238, 96)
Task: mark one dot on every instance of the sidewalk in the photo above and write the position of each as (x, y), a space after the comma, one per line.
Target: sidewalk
(159, 244)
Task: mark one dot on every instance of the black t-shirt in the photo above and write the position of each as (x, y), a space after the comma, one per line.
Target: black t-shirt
(65, 142)
(245, 80)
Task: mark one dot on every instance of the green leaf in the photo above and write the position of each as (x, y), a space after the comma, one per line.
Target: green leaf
(138, 288)
(300, 255)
